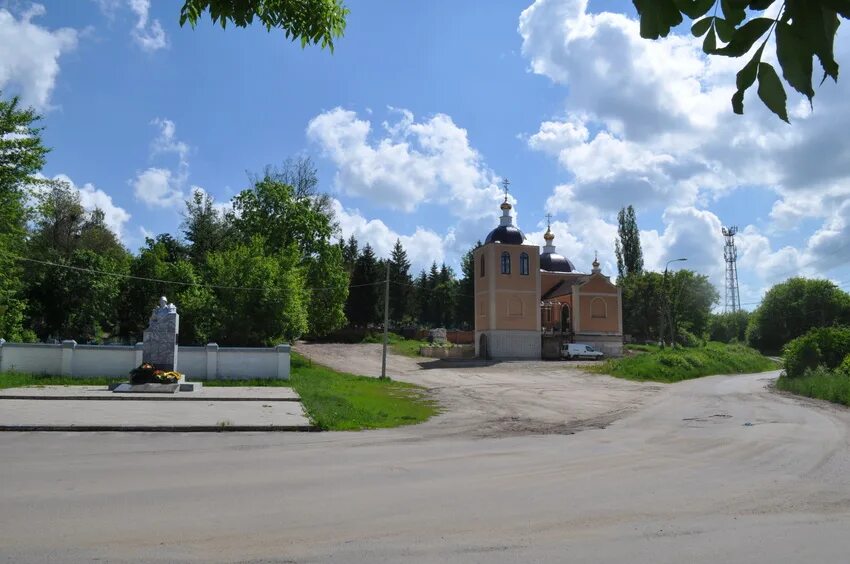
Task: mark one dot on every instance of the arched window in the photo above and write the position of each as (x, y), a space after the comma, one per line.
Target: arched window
(598, 308)
(506, 262)
(482, 266)
(523, 264)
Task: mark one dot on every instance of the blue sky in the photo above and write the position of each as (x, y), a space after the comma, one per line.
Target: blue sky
(421, 111)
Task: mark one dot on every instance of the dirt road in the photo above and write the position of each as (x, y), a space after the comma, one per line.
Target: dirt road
(719, 469)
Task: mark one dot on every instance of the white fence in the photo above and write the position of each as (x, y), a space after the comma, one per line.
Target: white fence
(197, 363)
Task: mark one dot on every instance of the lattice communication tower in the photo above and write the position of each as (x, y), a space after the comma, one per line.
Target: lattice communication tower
(730, 253)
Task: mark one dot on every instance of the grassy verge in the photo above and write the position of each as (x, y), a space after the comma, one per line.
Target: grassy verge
(341, 402)
(14, 380)
(397, 343)
(821, 384)
(674, 365)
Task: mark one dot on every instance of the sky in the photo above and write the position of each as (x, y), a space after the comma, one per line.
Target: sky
(420, 113)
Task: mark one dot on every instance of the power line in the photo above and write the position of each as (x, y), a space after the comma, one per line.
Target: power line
(162, 281)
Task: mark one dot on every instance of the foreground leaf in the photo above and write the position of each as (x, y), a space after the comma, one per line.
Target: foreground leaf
(771, 91)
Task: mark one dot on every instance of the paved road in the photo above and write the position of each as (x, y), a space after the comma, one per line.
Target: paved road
(715, 470)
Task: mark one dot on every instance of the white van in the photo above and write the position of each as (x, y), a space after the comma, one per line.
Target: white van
(578, 350)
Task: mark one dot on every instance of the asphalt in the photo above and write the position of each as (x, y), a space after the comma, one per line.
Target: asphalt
(720, 469)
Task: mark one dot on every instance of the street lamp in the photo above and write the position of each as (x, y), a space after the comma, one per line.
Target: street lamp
(667, 305)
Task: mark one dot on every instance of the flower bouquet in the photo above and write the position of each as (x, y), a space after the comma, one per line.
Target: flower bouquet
(148, 374)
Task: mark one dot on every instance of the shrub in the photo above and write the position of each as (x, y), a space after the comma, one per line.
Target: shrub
(826, 346)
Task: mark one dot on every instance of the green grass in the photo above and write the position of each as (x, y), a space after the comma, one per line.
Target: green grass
(337, 401)
(15, 380)
(674, 365)
(822, 384)
(397, 343)
(334, 401)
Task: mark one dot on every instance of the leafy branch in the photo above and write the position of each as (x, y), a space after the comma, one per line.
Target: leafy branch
(804, 30)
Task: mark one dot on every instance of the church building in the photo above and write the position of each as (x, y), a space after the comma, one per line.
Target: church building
(528, 303)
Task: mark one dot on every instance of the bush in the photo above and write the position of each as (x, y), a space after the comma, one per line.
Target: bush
(728, 327)
(827, 346)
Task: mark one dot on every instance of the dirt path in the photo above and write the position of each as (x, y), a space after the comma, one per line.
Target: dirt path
(509, 398)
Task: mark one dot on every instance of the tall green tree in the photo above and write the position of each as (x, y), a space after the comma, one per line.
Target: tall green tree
(273, 310)
(400, 285)
(362, 306)
(283, 210)
(308, 21)
(730, 327)
(643, 306)
(74, 293)
(350, 252)
(692, 296)
(22, 155)
(205, 228)
(465, 300)
(791, 308)
(803, 30)
(627, 246)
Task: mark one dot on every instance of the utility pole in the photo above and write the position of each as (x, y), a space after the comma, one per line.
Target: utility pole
(386, 322)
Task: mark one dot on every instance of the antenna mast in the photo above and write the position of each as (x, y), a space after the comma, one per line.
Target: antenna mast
(730, 253)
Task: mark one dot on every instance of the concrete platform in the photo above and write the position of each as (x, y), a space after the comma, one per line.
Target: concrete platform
(207, 393)
(71, 408)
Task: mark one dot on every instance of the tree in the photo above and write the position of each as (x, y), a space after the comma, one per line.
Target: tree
(627, 245)
(350, 252)
(282, 209)
(310, 21)
(465, 300)
(803, 30)
(791, 308)
(76, 295)
(260, 298)
(692, 297)
(22, 155)
(328, 282)
(729, 327)
(643, 304)
(400, 285)
(363, 299)
(204, 226)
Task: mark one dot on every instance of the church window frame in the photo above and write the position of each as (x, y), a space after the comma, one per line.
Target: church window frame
(506, 262)
(523, 264)
(595, 311)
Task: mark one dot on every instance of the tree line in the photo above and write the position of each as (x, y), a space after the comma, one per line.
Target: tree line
(267, 268)
(652, 302)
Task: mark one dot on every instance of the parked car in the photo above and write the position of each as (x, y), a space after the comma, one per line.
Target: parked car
(579, 350)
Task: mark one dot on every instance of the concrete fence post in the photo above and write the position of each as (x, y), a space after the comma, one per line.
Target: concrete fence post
(283, 361)
(2, 342)
(139, 356)
(212, 361)
(68, 357)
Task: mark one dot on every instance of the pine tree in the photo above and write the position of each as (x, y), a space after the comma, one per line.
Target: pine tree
(350, 252)
(400, 285)
(464, 301)
(362, 305)
(627, 246)
(421, 298)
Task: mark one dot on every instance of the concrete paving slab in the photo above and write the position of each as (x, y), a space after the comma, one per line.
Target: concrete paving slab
(207, 393)
(141, 415)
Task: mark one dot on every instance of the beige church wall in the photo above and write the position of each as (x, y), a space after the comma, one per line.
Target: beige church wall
(482, 317)
(515, 311)
(598, 284)
(515, 280)
(608, 324)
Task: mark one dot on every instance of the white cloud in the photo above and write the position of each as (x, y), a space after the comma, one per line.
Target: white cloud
(93, 198)
(148, 35)
(412, 163)
(158, 186)
(30, 61)
(649, 123)
(423, 246)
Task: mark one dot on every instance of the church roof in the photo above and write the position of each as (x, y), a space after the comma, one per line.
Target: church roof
(553, 262)
(506, 234)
